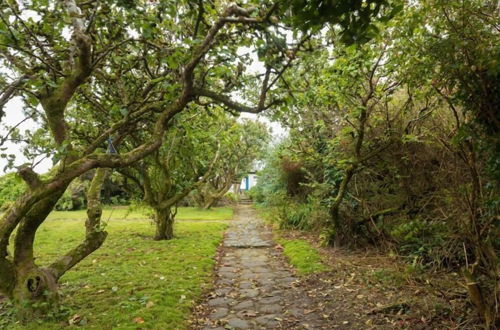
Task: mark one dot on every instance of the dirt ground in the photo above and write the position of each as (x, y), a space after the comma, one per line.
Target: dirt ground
(372, 290)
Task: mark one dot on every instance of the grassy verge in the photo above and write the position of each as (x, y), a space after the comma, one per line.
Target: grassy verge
(132, 281)
(302, 255)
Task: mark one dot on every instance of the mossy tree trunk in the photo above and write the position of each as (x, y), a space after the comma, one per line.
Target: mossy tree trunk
(214, 190)
(33, 284)
(164, 220)
(341, 229)
(163, 198)
(32, 288)
(94, 233)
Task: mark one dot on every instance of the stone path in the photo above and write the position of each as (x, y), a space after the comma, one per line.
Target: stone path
(255, 288)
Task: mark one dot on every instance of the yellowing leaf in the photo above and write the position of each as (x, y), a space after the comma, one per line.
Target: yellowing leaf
(138, 320)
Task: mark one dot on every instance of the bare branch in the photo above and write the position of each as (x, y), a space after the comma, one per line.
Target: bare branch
(10, 91)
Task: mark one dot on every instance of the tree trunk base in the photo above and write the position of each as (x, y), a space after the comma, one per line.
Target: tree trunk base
(164, 225)
(35, 293)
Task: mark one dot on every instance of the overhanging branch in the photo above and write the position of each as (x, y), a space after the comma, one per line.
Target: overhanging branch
(228, 102)
(237, 106)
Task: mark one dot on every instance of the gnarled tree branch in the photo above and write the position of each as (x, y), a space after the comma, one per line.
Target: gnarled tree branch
(94, 235)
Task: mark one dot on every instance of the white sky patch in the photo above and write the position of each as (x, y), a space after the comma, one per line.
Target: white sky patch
(13, 115)
(28, 14)
(66, 33)
(133, 33)
(257, 67)
(278, 132)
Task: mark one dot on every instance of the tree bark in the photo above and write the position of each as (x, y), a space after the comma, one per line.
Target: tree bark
(341, 230)
(210, 199)
(34, 290)
(164, 221)
(209, 202)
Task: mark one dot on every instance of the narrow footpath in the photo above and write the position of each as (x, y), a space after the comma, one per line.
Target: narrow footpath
(255, 287)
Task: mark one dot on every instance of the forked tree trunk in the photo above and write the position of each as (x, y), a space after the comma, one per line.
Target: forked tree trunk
(211, 200)
(34, 289)
(164, 221)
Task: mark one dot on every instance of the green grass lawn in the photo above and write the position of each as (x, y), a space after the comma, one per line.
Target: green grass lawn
(302, 255)
(131, 276)
(117, 213)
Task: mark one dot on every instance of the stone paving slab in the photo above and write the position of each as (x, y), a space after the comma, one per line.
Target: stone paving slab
(246, 234)
(254, 288)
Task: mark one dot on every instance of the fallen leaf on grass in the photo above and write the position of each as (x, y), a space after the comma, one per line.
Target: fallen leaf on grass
(75, 319)
(138, 320)
(150, 304)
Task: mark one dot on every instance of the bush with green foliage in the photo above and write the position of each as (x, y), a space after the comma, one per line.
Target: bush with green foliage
(11, 187)
(398, 140)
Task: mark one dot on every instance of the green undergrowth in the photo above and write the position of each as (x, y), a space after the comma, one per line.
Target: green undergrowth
(133, 281)
(302, 255)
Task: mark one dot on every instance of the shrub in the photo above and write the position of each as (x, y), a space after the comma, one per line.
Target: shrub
(420, 240)
(11, 187)
(294, 215)
(74, 198)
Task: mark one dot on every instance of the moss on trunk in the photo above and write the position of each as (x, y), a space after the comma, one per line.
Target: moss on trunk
(94, 234)
(164, 220)
(34, 292)
(7, 277)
